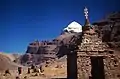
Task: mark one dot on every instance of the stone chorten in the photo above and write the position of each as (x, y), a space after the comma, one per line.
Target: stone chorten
(91, 57)
(91, 46)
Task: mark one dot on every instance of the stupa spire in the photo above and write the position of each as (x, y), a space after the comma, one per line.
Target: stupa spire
(86, 13)
(87, 22)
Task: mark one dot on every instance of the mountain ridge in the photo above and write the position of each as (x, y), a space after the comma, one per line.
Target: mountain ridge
(48, 50)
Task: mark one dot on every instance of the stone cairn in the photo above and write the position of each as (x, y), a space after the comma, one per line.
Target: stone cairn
(90, 50)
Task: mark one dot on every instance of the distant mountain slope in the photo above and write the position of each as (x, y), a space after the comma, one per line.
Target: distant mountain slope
(6, 62)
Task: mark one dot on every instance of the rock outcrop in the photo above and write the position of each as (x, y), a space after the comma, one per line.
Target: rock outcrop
(109, 29)
(39, 52)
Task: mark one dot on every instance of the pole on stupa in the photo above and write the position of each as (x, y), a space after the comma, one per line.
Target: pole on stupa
(86, 12)
(87, 24)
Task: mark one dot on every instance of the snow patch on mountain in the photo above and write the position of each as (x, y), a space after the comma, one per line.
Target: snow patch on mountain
(73, 27)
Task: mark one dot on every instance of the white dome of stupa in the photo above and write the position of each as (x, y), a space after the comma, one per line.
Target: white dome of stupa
(73, 27)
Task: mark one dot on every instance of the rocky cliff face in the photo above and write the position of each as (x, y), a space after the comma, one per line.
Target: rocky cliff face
(109, 29)
(38, 52)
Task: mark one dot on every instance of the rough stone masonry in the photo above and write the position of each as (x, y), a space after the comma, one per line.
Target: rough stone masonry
(92, 50)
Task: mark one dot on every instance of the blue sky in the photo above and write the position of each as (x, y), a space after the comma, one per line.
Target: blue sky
(23, 21)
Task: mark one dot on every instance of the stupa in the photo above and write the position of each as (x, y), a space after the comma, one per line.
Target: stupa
(90, 57)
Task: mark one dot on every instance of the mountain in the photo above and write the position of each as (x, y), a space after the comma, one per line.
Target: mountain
(109, 29)
(73, 27)
(38, 52)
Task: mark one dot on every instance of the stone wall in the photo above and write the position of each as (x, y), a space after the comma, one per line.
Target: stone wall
(84, 67)
(111, 67)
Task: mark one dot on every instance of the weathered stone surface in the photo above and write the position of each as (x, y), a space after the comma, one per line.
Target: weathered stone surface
(109, 29)
(92, 45)
(111, 68)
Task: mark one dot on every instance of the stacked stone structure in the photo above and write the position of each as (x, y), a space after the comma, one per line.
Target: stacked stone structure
(94, 58)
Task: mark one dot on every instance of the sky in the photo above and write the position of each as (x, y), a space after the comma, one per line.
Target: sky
(24, 21)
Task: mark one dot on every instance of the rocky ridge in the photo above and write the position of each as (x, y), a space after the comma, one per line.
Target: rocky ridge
(108, 30)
